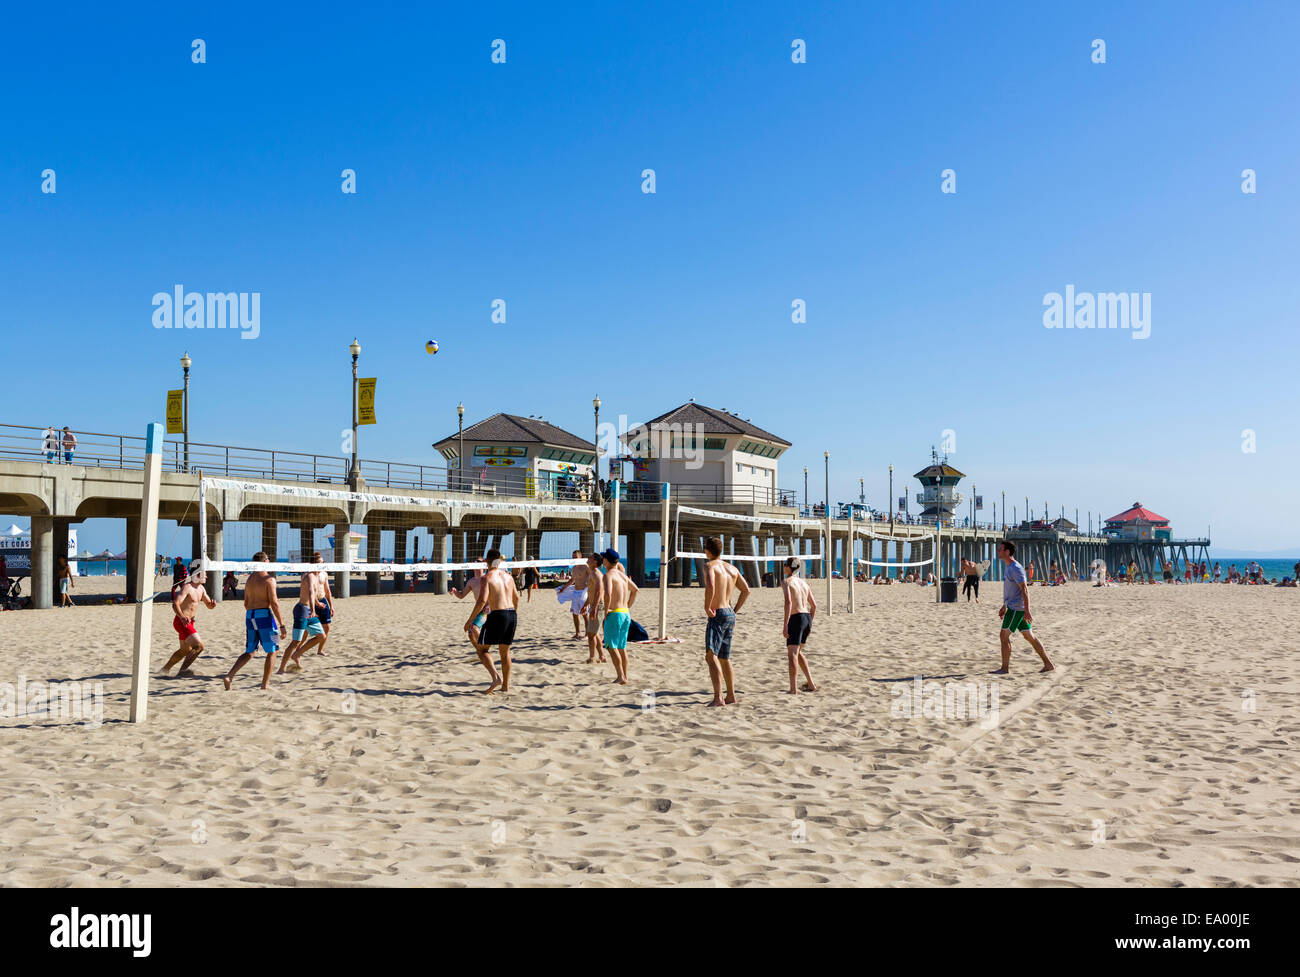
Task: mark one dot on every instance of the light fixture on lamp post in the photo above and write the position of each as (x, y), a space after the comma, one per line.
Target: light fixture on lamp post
(185, 406)
(460, 450)
(354, 475)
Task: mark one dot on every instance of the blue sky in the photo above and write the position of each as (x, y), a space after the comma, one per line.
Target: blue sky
(775, 181)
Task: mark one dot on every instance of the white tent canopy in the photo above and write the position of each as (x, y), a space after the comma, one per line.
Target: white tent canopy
(13, 530)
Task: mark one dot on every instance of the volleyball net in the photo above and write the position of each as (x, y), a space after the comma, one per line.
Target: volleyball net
(913, 545)
(746, 538)
(381, 532)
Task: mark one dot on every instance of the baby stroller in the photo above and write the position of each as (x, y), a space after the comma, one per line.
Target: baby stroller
(13, 596)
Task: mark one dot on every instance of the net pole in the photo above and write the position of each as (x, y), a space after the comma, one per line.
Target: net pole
(938, 562)
(203, 528)
(850, 562)
(828, 554)
(613, 530)
(146, 543)
(663, 564)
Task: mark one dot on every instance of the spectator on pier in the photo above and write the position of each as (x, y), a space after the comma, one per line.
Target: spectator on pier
(50, 443)
(69, 445)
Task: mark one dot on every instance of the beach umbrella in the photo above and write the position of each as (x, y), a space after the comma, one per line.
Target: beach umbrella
(104, 555)
(13, 530)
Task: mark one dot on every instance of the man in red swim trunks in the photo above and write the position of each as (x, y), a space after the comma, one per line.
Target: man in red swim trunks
(185, 604)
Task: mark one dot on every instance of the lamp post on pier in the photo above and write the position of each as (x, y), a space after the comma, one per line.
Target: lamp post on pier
(185, 407)
(595, 468)
(460, 450)
(354, 473)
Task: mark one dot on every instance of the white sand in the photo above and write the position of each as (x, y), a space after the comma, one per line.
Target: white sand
(1140, 738)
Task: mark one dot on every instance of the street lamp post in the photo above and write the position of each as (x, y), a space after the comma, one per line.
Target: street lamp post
(595, 469)
(460, 450)
(185, 407)
(892, 502)
(830, 541)
(354, 475)
(805, 488)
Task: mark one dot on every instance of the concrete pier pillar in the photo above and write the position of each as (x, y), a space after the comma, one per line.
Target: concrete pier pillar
(587, 543)
(635, 557)
(42, 582)
(60, 544)
(898, 558)
(270, 536)
(373, 539)
(399, 556)
(440, 556)
(748, 568)
(458, 556)
(215, 550)
(132, 555)
(342, 579)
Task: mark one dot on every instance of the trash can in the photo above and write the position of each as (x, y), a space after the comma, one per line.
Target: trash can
(948, 590)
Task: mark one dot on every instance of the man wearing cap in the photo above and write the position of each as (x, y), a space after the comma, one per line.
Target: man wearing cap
(185, 604)
(620, 594)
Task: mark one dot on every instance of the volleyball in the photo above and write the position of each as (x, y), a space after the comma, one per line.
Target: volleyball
(431, 346)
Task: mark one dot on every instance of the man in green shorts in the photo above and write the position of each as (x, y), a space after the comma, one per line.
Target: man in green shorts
(619, 594)
(1015, 609)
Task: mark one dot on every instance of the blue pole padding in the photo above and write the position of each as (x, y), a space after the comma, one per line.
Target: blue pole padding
(154, 439)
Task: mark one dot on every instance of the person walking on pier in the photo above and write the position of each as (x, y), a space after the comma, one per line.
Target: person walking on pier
(1015, 609)
(721, 580)
(69, 445)
(50, 443)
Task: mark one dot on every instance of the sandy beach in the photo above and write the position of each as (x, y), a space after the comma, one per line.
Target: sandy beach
(1161, 752)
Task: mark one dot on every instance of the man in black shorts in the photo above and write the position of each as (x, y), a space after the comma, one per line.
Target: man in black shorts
(500, 597)
(971, 571)
(800, 607)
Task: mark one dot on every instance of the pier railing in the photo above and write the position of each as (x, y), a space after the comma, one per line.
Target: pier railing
(124, 451)
(646, 491)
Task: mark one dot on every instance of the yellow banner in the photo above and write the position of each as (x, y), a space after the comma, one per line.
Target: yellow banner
(366, 400)
(175, 411)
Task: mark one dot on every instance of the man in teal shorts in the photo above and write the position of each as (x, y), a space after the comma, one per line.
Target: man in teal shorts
(620, 594)
(1015, 609)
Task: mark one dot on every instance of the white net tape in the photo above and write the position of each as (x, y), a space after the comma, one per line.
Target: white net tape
(755, 522)
(884, 563)
(272, 496)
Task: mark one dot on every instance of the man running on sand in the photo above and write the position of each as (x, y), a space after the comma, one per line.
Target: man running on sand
(185, 604)
(574, 592)
(620, 594)
(721, 580)
(474, 585)
(591, 610)
(1015, 609)
(324, 607)
(500, 597)
(262, 622)
(305, 623)
(800, 609)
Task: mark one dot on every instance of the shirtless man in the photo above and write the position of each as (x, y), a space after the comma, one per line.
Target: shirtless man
(325, 607)
(800, 609)
(721, 580)
(185, 604)
(620, 594)
(305, 623)
(591, 610)
(474, 585)
(262, 622)
(499, 595)
(574, 592)
(971, 571)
